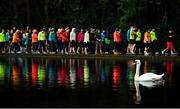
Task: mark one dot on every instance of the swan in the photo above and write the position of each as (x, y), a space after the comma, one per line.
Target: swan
(147, 76)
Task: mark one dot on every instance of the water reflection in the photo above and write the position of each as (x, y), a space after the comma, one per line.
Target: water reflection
(26, 72)
(41, 77)
(74, 72)
(115, 77)
(51, 73)
(16, 73)
(63, 73)
(34, 72)
(169, 66)
(86, 73)
(80, 73)
(130, 72)
(2, 73)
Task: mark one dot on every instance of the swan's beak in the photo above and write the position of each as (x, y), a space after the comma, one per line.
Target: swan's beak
(134, 62)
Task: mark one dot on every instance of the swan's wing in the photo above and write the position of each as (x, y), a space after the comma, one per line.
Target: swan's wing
(149, 77)
(151, 84)
(148, 84)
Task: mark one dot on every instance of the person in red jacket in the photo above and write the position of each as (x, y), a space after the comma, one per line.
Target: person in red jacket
(80, 41)
(170, 45)
(65, 40)
(117, 41)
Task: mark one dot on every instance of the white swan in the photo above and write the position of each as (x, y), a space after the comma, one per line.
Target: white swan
(147, 76)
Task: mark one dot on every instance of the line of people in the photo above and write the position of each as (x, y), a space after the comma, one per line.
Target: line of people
(149, 44)
(88, 41)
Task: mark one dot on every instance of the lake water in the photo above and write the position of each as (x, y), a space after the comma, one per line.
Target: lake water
(43, 82)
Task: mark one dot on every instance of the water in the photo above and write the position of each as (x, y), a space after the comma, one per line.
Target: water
(42, 82)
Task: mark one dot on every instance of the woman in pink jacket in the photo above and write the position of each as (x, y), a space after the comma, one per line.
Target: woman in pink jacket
(80, 42)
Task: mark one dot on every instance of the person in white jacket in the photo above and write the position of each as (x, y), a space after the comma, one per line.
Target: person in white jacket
(86, 41)
(72, 40)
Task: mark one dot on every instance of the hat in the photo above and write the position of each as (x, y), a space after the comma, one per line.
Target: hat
(52, 29)
(17, 30)
(170, 31)
(34, 31)
(44, 28)
(67, 28)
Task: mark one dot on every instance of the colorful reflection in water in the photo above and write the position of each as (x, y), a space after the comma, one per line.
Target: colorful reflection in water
(169, 66)
(86, 73)
(78, 74)
(2, 73)
(72, 72)
(41, 75)
(34, 72)
(16, 73)
(116, 76)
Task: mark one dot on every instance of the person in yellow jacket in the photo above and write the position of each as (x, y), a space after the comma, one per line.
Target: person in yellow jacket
(15, 41)
(2, 41)
(154, 42)
(147, 41)
(138, 41)
(132, 39)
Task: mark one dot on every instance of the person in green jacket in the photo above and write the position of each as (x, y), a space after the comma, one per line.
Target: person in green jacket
(132, 39)
(154, 42)
(138, 42)
(42, 41)
(2, 41)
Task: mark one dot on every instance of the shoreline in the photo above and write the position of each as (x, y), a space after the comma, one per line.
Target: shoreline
(91, 56)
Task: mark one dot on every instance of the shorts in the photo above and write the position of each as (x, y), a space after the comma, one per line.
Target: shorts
(132, 41)
(86, 44)
(80, 44)
(73, 43)
(147, 44)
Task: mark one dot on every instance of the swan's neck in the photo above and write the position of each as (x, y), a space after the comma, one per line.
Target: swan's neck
(136, 77)
(138, 95)
(137, 89)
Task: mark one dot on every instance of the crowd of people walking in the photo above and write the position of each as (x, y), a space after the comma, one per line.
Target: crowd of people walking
(82, 41)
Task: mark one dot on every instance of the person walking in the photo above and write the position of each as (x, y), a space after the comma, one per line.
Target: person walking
(2, 41)
(147, 41)
(170, 45)
(42, 41)
(154, 42)
(86, 41)
(72, 40)
(52, 41)
(80, 41)
(117, 41)
(138, 42)
(132, 39)
(34, 41)
(128, 39)
(15, 41)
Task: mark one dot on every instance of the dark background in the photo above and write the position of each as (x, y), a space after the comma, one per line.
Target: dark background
(109, 14)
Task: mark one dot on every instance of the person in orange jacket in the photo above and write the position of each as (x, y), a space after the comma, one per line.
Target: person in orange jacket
(34, 41)
(15, 41)
(147, 41)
